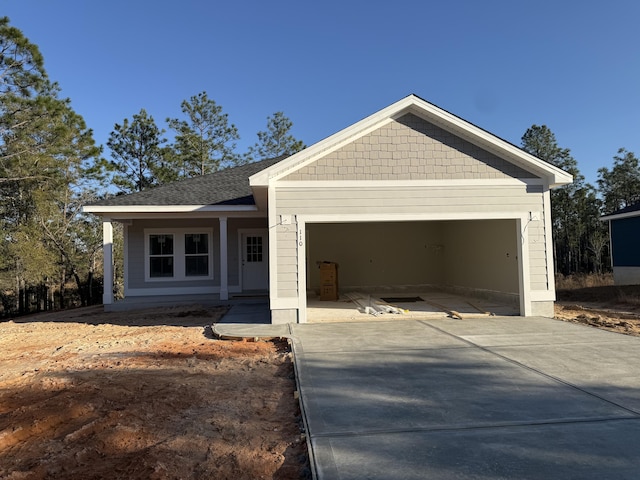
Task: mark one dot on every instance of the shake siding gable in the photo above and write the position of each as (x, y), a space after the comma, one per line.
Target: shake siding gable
(409, 148)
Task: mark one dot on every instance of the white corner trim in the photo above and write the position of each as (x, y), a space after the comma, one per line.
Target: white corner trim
(273, 244)
(285, 303)
(301, 247)
(524, 267)
(551, 284)
(542, 296)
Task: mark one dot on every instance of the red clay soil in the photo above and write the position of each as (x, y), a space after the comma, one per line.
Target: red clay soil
(147, 395)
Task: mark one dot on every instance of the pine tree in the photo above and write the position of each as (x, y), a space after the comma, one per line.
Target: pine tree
(46, 155)
(276, 140)
(205, 141)
(620, 186)
(137, 154)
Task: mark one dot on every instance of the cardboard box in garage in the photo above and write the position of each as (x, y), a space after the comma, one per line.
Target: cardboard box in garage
(328, 281)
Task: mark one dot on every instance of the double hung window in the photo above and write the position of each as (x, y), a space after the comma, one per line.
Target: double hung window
(196, 251)
(161, 259)
(178, 254)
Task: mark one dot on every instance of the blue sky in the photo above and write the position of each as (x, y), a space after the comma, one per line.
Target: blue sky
(500, 64)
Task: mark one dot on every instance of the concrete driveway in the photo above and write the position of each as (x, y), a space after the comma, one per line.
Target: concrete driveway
(497, 398)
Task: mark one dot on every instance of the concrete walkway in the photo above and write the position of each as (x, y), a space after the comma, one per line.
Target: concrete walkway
(497, 398)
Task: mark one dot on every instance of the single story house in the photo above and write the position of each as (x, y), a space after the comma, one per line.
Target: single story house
(412, 195)
(624, 238)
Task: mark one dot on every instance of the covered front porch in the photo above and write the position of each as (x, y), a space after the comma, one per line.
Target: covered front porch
(171, 260)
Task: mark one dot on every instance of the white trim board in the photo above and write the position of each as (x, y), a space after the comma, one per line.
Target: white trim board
(412, 217)
(396, 184)
(144, 292)
(167, 208)
(620, 216)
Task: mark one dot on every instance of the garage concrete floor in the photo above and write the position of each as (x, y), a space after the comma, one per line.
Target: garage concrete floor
(496, 398)
(433, 304)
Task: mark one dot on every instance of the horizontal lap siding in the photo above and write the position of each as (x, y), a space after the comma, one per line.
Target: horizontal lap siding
(287, 261)
(538, 271)
(410, 201)
(416, 200)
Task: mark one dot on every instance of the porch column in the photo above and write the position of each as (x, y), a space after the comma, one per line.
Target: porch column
(107, 254)
(224, 277)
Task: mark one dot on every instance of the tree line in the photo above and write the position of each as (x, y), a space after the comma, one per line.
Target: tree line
(51, 254)
(580, 239)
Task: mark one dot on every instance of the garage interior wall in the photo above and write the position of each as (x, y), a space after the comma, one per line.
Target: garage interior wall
(481, 254)
(471, 254)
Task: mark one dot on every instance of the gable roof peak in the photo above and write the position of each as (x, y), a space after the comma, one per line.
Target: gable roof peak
(428, 112)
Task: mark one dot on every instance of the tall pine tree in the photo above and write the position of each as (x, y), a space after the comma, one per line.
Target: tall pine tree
(574, 208)
(276, 140)
(620, 186)
(205, 141)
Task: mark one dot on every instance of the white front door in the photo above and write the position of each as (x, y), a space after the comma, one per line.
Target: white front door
(255, 261)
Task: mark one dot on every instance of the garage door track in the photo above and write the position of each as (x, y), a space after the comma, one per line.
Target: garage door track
(498, 398)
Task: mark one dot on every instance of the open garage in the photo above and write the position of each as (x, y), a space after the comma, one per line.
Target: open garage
(416, 262)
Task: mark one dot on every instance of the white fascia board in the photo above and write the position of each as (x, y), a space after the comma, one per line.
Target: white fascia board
(106, 209)
(396, 184)
(620, 216)
(415, 105)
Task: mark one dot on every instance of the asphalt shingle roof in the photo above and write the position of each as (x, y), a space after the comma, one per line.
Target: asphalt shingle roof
(225, 187)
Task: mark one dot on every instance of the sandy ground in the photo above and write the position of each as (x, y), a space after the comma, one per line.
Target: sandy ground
(146, 395)
(621, 319)
(150, 395)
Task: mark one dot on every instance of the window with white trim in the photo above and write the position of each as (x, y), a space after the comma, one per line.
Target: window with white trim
(160, 256)
(178, 254)
(196, 252)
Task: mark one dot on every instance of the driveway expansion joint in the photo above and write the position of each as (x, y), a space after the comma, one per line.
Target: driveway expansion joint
(493, 426)
(635, 413)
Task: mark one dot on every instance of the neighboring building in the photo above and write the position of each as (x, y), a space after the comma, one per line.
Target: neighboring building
(624, 244)
(410, 196)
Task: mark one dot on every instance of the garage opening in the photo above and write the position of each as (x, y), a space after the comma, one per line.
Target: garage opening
(441, 266)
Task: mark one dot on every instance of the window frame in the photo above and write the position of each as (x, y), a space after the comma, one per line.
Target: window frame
(171, 255)
(179, 254)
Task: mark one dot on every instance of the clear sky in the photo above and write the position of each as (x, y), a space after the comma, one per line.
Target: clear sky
(504, 65)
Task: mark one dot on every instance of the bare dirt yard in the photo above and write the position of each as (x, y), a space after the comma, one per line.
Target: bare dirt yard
(609, 307)
(144, 395)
